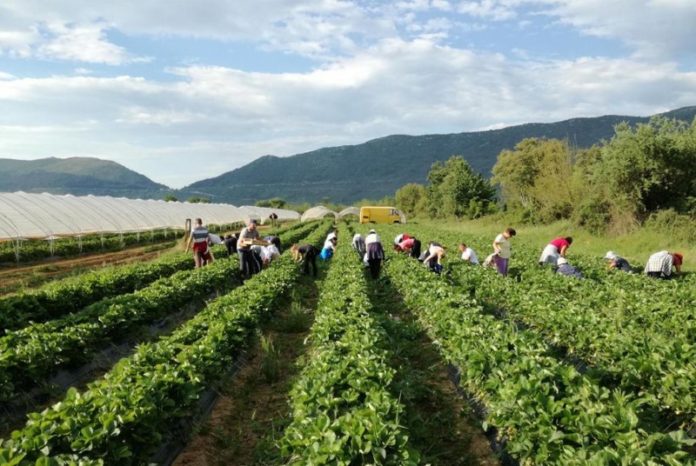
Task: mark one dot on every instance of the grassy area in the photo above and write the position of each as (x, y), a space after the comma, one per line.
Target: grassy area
(636, 246)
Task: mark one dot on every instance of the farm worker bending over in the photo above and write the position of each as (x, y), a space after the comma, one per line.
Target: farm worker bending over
(329, 248)
(231, 244)
(555, 249)
(405, 245)
(503, 251)
(401, 237)
(269, 253)
(564, 268)
(434, 258)
(273, 240)
(660, 264)
(249, 263)
(375, 253)
(359, 244)
(332, 236)
(307, 254)
(199, 239)
(468, 254)
(617, 262)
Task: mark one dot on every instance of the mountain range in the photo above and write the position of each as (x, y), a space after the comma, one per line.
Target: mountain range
(343, 174)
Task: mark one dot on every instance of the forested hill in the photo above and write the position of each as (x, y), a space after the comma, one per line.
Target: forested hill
(378, 167)
(78, 176)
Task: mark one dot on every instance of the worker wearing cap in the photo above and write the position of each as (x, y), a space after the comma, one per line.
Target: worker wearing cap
(564, 268)
(661, 263)
(617, 262)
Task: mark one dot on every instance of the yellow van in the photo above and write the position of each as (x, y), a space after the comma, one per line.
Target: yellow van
(381, 214)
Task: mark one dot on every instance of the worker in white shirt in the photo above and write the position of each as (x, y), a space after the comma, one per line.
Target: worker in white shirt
(468, 254)
(374, 254)
(661, 263)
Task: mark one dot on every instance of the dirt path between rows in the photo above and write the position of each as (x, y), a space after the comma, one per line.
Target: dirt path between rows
(440, 423)
(252, 410)
(12, 279)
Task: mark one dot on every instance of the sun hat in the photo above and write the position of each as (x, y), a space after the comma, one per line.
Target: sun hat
(611, 255)
(678, 258)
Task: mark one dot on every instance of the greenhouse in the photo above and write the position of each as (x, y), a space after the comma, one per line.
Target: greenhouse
(317, 212)
(48, 216)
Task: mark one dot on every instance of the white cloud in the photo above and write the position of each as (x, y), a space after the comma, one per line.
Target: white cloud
(490, 9)
(85, 43)
(654, 28)
(224, 117)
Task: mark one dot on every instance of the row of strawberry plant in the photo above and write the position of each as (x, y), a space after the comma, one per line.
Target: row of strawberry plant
(74, 293)
(121, 418)
(641, 342)
(39, 249)
(71, 294)
(30, 355)
(343, 410)
(630, 350)
(545, 411)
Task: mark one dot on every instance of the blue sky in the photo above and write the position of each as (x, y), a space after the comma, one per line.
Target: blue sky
(184, 90)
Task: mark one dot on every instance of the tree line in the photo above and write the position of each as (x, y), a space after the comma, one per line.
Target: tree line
(642, 174)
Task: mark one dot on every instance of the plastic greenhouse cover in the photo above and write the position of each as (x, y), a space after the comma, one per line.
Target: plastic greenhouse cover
(25, 215)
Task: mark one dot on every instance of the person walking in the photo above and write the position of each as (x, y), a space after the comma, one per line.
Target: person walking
(468, 254)
(617, 262)
(306, 254)
(661, 263)
(199, 239)
(555, 249)
(375, 253)
(503, 250)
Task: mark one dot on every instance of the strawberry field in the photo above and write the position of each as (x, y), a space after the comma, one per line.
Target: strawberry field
(124, 366)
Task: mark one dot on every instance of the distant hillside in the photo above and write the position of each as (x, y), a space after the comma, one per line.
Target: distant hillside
(378, 167)
(76, 175)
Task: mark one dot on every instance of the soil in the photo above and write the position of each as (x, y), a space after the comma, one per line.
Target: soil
(440, 423)
(253, 410)
(14, 278)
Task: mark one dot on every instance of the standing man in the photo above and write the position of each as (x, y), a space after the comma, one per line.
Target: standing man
(660, 264)
(199, 238)
(503, 251)
(274, 219)
(374, 254)
(249, 263)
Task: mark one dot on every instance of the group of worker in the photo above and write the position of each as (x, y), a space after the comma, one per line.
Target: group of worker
(256, 253)
(662, 264)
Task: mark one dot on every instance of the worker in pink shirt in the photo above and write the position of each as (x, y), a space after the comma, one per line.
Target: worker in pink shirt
(555, 250)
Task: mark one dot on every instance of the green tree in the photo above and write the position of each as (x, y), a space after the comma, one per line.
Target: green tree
(275, 203)
(170, 198)
(536, 177)
(411, 198)
(453, 185)
(650, 167)
(198, 200)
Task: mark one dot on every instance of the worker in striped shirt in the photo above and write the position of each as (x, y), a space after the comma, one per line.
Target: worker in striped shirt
(661, 263)
(199, 238)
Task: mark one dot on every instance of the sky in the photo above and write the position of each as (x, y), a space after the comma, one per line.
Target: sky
(186, 90)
